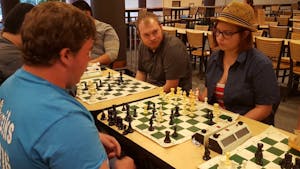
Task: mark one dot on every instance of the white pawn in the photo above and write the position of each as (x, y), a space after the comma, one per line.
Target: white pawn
(205, 100)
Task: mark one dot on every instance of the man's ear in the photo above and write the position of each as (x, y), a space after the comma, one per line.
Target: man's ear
(65, 56)
(246, 34)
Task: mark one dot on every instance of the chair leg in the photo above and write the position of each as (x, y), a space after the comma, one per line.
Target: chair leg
(283, 76)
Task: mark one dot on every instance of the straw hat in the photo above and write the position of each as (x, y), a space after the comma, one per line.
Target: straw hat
(238, 13)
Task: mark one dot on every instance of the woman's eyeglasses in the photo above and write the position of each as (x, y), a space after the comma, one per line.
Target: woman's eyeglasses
(225, 34)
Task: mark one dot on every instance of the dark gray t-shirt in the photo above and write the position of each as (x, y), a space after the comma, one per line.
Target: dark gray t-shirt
(10, 58)
(170, 61)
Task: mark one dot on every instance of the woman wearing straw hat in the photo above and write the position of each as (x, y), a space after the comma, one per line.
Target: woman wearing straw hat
(239, 77)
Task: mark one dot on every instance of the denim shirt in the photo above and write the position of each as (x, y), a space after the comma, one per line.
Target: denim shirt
(251, 80)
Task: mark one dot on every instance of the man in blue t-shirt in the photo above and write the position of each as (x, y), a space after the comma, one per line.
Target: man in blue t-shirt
(41, 125)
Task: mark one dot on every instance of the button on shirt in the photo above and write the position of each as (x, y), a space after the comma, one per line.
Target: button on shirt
(251, 80)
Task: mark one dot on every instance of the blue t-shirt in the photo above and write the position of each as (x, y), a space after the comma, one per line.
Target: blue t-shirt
(41, 126)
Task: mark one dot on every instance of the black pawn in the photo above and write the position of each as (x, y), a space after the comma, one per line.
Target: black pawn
(129, 128)
(151, 128)
(259, 154)
(109, 88)
(167, 138)
(108, 75)
(297, 164)
(121, 76)
(125, 130)
(100, 83)
(206, 155)
(148, 105)
(134, 112)
(171, 118)
(174, 135)
(103, 115)
(123, 107)
(176, 114)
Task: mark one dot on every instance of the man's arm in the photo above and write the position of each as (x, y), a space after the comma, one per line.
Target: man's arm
(170, 84)
(140, 75)
(103, 59)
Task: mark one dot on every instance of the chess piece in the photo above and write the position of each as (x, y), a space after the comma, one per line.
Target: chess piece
(297, 164)
(121, 76)
(129, 128)
(148, 105)
(216, 111)
(176, 114)
(206, 155)
(103, 115)
(205, 100)
(108, 75)
(167, 138)
(120, 124)
(134, 112)
(175, 134)
(151, 128)
(123, 107)
(259, 154)
(109, 88)
(153, 114)
(100, 83)
(125, 132)
(171, 118)
(128, 116)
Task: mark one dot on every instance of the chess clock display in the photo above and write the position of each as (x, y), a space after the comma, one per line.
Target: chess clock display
(229, 138)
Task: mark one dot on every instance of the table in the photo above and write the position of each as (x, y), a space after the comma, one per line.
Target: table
(183, 31)
(109, 103)
(185, 155)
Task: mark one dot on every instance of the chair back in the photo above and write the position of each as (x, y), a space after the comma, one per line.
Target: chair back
(270, 47)
(195, 39)
(296, 24)
(295, 35)
(258, 33)
(283, 20)
(211, 43)
(180, 25)
(294, 50)
(201, 27)
(167, 12)
(278, 31)
(193, 11)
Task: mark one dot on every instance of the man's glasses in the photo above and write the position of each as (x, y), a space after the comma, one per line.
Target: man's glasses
(225, 34)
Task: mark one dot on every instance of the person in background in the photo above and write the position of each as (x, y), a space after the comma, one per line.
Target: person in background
(106, 45)
(162, 59)
(45, 126)
(239, 77)
(10, 41)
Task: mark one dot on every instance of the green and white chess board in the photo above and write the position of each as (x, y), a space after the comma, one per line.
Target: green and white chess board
(275, 146)
(90, 91)
(188, 123)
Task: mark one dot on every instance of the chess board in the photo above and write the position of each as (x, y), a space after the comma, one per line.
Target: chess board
(275, 146)
(127, 86)
(92, 70)
(188, 123)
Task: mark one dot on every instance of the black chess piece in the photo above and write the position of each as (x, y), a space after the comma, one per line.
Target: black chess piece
(175, 134)
(176, 114)
(153, 114)
(108, 75)
(84, 85)
(148, 105)
(121, 76)
(129, 128)
(297, 164)
(109, 87)
(259, 154)
(110, 120)
(151, 128)
(123, 107)
(100, 83)
(167, 138)
(125, 130)
(120, 124)
(206, 155)
(102, 115)
(171, 122)
(134, 112)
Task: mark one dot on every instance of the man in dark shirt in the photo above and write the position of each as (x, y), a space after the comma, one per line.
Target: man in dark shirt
(10, 41)
(163, 59)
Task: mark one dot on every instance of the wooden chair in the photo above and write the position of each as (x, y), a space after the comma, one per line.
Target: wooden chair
(295, 35)
(278, 31)
(275, 10)
(294, 48)
(296, 30)
(283, 20)
(296, 24)
(180, 25)
(273, 49)
(167, 17)
(201, 27)
(196, 45)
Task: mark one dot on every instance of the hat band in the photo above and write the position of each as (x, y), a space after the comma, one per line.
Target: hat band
(235, 18)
